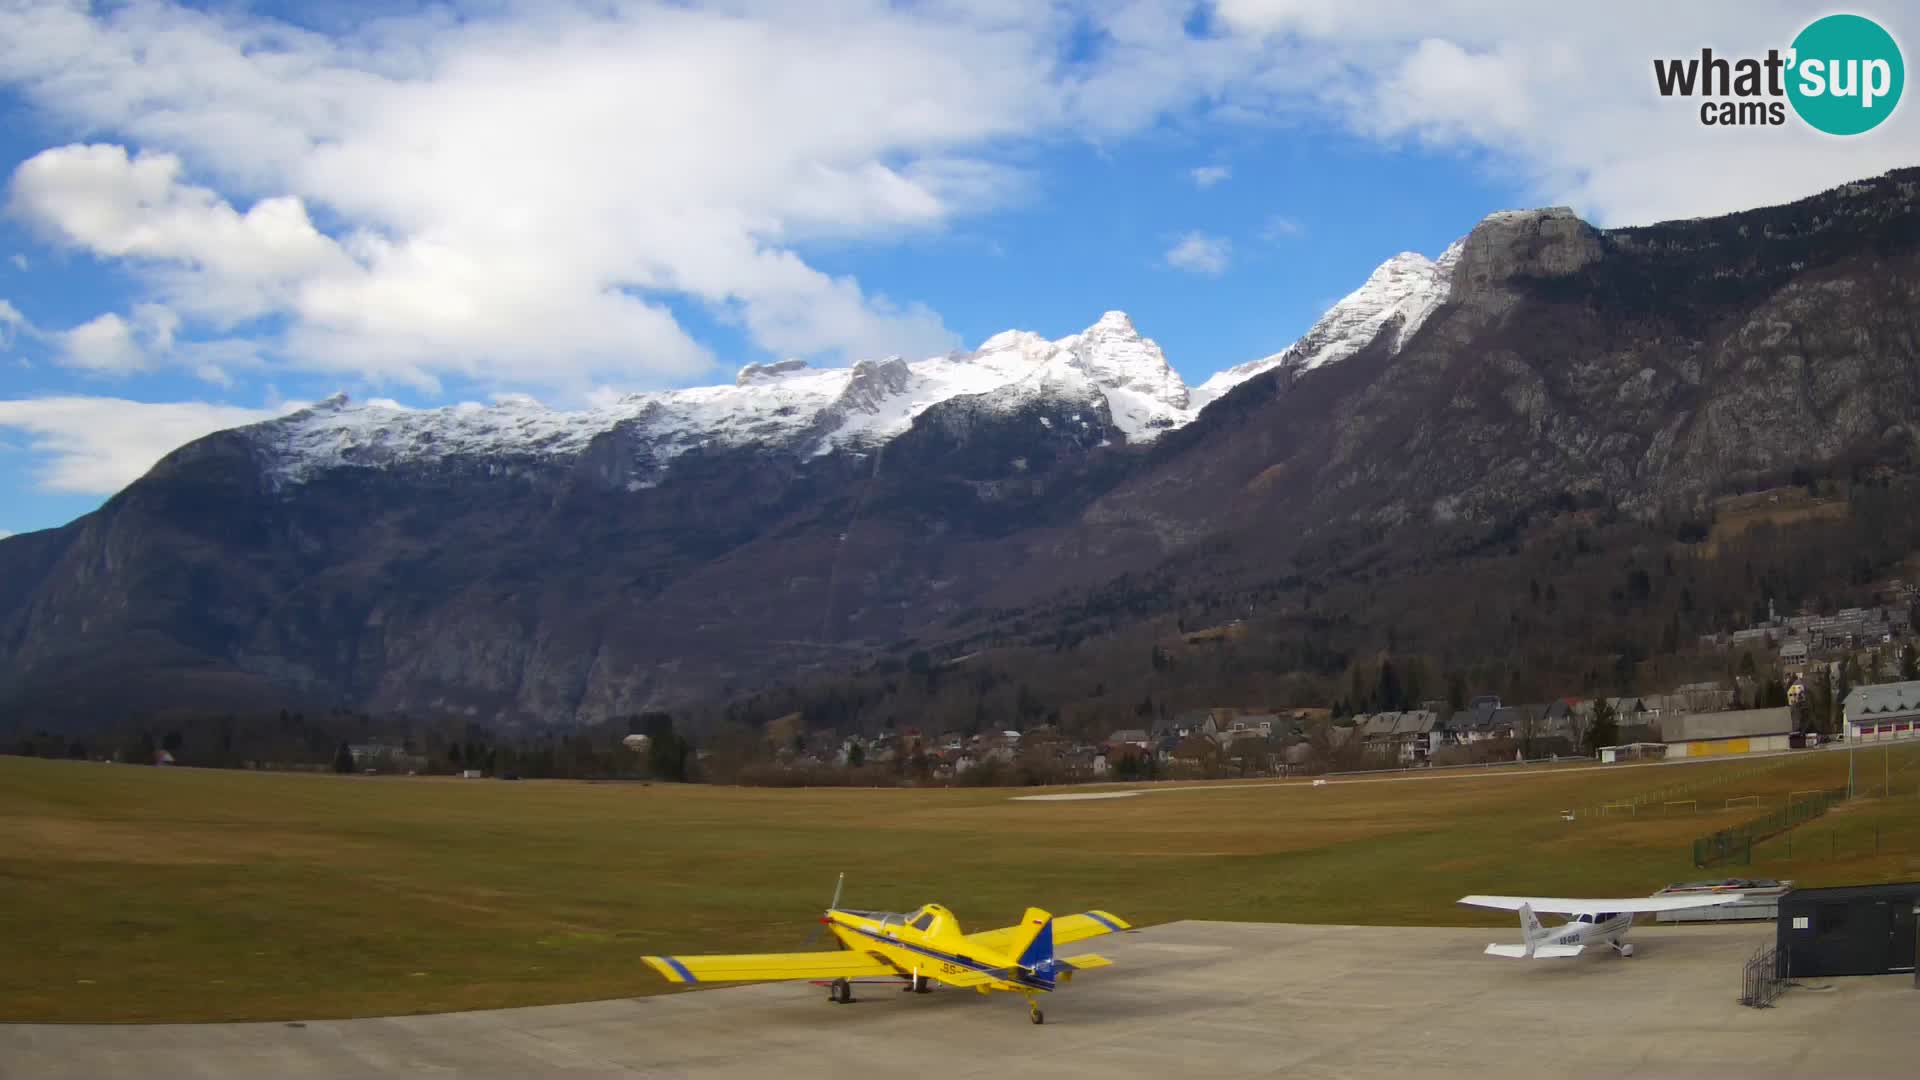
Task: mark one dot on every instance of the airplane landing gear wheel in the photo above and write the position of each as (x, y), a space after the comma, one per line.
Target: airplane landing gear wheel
(921, 985)
(1034, 1014)
(840, 992)
(1626, 950)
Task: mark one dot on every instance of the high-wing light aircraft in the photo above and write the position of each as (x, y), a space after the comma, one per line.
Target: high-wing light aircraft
(1587, 921)
(923, 947)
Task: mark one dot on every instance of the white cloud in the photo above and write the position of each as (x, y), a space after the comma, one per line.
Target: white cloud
(104, 344)
(534, 195)
(1278, 227)
(1205, 176)
(1200, 253)
(98, 445)
(4, 533)
(211, 259)
(111, 345)
(19, 261)
(515, 196)
(1564, 99)
(11, 323)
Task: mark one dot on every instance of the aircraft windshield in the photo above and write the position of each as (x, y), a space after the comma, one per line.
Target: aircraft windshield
(922, 920)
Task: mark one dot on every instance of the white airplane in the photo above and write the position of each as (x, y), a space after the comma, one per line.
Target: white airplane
(1587, 921)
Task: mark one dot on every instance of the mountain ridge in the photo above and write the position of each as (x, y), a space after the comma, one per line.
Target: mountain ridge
(617, 563)
(793, 405)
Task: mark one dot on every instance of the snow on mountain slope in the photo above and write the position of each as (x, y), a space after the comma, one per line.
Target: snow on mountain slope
(1399, 294)
(814, 410)
(786, 404)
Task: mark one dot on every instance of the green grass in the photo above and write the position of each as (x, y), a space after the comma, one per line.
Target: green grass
(173, 894)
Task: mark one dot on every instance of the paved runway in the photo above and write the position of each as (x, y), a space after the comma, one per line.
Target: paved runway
(1188, 999)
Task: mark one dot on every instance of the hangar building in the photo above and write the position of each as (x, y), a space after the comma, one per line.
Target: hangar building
(1740, 732)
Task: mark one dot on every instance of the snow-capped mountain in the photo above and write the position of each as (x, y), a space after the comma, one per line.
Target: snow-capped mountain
(787, 404)
(685, 549)
(1398, 296)
(814, 411)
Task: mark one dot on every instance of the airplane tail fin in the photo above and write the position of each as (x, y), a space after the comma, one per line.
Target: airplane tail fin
(1529, 922)
(1529, 926)
(1033, 946)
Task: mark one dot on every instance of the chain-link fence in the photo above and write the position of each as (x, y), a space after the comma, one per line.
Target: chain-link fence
(1735, 844)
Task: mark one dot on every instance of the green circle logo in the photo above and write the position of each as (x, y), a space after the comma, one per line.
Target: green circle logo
(1846, 76)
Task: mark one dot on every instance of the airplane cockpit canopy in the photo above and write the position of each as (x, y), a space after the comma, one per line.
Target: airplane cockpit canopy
(929, 916)
(924, 918)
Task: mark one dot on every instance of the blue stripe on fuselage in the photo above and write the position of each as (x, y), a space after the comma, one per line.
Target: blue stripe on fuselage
(1002, 973)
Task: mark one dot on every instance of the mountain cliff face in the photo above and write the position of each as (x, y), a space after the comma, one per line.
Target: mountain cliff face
(512, 563)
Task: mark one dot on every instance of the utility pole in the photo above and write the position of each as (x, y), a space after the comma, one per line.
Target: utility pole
(1853, 748)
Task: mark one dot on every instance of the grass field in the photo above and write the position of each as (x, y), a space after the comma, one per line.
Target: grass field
(175, 894)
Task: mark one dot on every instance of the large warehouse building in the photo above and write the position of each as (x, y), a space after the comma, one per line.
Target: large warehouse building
(1879, 713)
(1850, 930)
(1743, 731)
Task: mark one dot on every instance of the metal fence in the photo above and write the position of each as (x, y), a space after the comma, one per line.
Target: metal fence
(1736, 843)
(1764, 978)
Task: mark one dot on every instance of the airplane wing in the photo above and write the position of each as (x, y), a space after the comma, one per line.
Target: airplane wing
(1636, 905)
(769, 967)
(1540, 952)
(1066, 930)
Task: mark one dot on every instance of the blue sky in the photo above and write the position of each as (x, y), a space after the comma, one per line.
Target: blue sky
(214, 212)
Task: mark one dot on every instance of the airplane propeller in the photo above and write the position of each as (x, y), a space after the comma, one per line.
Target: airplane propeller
(814, 937)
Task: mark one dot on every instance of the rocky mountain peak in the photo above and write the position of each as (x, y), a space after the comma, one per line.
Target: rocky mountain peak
(871, 382)
(1552, 242)
(1144, 392)
(1397, 297)
(759, 373)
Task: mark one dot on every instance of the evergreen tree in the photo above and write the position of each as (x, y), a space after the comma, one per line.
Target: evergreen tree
(1604, 727)
(1388, 695)
(667, 752)
(139, 749)
(343, 759)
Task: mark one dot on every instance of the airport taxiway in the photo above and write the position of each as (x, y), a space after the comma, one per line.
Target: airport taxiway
(1192, 999)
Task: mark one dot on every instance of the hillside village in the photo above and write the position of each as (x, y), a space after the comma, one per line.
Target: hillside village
(1805, 678)
(1789, 681)
(1690, 721)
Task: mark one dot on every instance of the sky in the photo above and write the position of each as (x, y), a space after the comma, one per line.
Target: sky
(211, 214)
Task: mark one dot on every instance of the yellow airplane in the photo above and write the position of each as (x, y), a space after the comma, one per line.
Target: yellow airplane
(924, 947)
